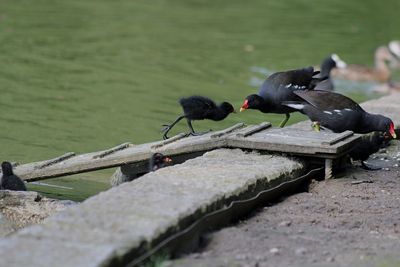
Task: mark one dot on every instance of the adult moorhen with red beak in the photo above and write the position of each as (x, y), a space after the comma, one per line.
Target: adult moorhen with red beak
(339, 113)
(279, 87)
(200, 108)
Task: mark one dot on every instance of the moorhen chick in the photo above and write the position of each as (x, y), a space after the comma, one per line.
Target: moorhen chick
(199, 108)
(279, 87)
(339, 113)
(329, 63)
(10, 181)
(158, 161)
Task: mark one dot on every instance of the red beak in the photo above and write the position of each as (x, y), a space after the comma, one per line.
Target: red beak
(391, 131)
(245, 105)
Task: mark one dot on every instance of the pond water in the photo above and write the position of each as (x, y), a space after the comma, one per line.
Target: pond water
(84, 75)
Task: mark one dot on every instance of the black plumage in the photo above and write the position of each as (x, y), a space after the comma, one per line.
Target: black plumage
(340, 113)
(369, 144)
(278, 88)
(329, 63)
(200, 108)
(9, 180)
(158, 161)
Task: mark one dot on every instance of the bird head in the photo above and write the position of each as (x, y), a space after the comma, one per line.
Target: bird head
(339, 63)
(6, 168)
(226, 106)
(252, 102)
(158, 161)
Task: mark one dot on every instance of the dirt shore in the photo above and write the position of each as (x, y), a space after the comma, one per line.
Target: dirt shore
(350, 221)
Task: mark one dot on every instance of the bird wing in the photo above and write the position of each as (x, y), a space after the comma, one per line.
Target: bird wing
(327, 100)
(298, 79)
(198, 105)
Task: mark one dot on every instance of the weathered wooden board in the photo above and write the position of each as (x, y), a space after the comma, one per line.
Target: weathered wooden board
(258, 137)
(294, 141)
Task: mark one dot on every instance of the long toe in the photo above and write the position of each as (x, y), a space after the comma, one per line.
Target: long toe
(198, 133)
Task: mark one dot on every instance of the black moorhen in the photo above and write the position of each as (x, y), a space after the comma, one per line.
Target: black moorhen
(158, 161)
(10, 181)
(369, 144)
(279, 87)
(339, 113)
(200, 108)
(329, 63)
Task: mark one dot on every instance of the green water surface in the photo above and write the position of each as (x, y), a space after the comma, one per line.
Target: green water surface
(84, 75)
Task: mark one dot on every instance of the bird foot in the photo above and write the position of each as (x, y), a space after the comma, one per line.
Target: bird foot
(199, 133)
(316, 126)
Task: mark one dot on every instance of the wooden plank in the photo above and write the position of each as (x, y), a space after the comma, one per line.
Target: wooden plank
(338, 138)
(254, 129)
(55, 160)
(228, 130)
(170, 140)
(287, 140)
(111, 150)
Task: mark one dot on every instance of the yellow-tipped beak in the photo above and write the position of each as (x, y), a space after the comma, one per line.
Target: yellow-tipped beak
(242, 109)
(393, 134)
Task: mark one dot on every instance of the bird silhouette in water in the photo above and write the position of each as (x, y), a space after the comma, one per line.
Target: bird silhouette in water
(199, 108)
(158, 161)
(10, 181)
(279, 87)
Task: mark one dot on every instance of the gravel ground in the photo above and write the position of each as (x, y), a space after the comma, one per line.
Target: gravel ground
(350, 221)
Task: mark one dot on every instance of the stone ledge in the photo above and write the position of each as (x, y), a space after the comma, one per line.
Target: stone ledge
(119, 224)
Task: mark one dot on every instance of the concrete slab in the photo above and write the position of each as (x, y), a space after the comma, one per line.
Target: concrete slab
(116, 226)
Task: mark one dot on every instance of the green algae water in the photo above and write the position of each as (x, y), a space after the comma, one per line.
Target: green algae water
(90, 74)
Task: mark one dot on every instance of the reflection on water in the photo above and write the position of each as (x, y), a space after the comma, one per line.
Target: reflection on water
(85, 75)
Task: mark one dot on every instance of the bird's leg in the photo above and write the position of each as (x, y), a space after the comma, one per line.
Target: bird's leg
(192, 132)
(367, 167)
(168, 127)
(285, 120)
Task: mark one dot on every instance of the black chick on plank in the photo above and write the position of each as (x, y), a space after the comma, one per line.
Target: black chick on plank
(10, 181)
(279, 87)
(199, 108)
